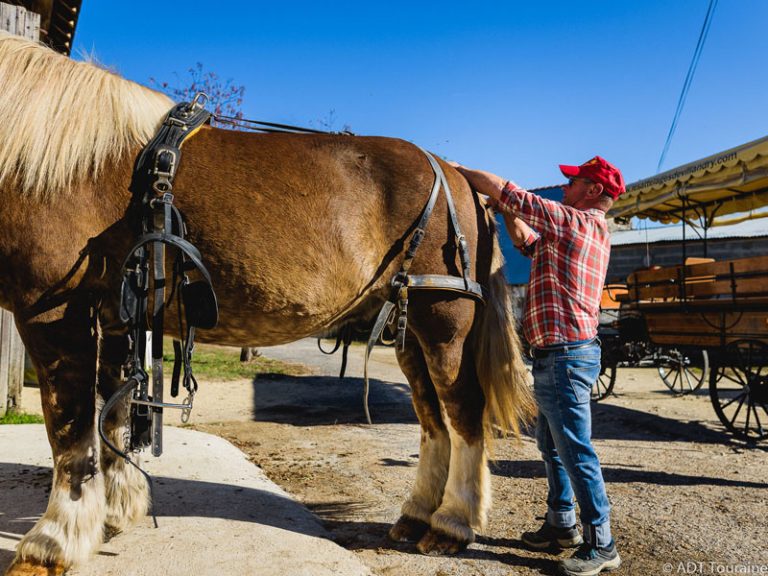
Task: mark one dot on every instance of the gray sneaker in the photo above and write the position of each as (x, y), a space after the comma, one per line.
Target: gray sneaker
(589, 561)
(549, 536)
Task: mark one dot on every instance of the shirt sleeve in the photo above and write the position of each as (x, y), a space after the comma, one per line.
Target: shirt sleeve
(529, 246)
(552, 220)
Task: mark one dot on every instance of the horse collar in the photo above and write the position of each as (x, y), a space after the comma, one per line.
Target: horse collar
(158, 162)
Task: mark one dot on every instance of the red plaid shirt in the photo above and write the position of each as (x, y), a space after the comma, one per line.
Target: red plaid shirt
(570, 261)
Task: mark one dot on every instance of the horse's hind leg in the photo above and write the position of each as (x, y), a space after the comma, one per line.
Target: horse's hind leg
(127, 494)
(434, 449)
(443, 332)
(64, 351)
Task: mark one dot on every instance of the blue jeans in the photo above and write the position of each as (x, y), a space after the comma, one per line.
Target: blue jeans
(562, 382)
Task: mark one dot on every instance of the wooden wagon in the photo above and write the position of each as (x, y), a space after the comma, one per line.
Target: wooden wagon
(625, 342)
(722, 308)
(704, 313)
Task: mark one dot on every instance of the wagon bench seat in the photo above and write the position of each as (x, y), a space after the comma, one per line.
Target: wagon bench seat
(743, 280)
(705, 304)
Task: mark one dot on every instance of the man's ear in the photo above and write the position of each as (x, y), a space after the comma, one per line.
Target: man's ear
(595, 190)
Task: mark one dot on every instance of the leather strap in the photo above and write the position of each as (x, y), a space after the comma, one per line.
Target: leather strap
(440, 282)
(461, 241)
(378, 327)
(192, 253)
(402, 281)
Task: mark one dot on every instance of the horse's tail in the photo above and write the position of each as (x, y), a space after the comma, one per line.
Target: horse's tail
(498, 356)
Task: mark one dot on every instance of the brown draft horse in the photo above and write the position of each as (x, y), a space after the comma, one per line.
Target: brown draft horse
(301, 233)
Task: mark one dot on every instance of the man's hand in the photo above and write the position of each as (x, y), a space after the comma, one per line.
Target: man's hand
(483, 182)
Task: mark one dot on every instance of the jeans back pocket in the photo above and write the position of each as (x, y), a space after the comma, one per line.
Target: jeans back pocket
(582, 375)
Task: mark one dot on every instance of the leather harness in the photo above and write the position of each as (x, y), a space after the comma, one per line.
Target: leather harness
(162, 228)
(402, 282)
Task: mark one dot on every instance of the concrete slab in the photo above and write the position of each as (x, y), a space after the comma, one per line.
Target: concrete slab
(217, 514)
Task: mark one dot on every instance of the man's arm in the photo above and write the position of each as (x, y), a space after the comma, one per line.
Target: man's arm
(522, 235)
(483, 182)
(551, 220)
(491, 185)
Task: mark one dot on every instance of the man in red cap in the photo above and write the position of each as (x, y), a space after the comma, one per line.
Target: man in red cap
(569, 244)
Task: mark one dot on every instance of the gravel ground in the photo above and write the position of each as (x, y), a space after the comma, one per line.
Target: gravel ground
(686, 498)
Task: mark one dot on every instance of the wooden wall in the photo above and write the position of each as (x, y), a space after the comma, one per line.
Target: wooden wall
(17, 20)
(20, 21)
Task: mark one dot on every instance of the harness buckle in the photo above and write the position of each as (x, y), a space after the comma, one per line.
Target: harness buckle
(418, 236)
(198, 102)
(400, 279)
(165, 198)
(402, 325)
(402, 319)
(165, 162)
(187, 411)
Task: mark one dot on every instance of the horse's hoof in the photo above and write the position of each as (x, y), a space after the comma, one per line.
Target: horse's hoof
(26, 568)
(435, 543)
(408, 529)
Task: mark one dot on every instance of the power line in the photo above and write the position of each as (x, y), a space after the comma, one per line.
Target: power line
(688, 79)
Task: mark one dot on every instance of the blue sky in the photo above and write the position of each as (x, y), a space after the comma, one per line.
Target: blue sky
(512, 87)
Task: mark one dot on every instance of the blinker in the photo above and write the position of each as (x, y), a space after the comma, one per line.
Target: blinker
(200, 306)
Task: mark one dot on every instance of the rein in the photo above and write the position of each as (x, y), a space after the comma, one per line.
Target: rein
(269, 127)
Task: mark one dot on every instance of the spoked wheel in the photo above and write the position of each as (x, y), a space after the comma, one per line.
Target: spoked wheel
(603, 386)
(683, 372)
(739, 389)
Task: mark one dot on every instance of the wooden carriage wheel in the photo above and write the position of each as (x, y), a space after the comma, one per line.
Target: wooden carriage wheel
(603, 386)
(683, 371)
(738, 388)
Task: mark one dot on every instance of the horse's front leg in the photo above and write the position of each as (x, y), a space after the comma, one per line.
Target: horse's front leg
(126, 490)
(63, 347)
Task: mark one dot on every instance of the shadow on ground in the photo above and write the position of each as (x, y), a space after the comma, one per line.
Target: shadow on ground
(24, 490)
(620, 475)
(319, 400)
(612, 422)
(362, 535)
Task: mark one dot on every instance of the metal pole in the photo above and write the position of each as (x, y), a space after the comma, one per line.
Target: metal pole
(685, 203)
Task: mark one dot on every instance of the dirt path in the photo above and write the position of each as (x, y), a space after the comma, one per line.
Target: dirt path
(682, 491)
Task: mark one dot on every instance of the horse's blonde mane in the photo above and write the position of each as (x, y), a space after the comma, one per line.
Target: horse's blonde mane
(62, 121)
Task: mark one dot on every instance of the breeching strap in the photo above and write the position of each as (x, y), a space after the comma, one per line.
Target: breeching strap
(403, 281)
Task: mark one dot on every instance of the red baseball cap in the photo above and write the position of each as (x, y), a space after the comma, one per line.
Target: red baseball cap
(598, 170)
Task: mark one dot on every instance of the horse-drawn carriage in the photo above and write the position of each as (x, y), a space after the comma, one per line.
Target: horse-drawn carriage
(707, 315)
(704, 318)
